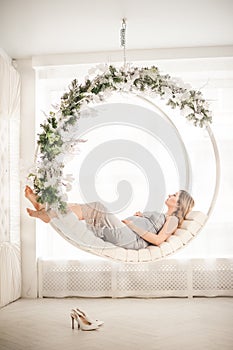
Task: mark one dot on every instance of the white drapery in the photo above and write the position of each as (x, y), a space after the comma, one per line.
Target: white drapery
(10, 270)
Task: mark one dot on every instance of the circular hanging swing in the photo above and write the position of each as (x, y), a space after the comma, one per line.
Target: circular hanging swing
(60, 136)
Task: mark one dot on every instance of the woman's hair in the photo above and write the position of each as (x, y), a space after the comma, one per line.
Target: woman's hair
(185, 203)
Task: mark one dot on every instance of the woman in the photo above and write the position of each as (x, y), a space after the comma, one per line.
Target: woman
(136, 232)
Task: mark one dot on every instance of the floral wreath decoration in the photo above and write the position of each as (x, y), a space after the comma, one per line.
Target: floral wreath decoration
(59, 135)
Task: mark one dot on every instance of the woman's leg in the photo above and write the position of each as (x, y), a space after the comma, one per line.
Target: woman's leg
(96, 214)
(39, 214)
(43, 215)
(76, 209)
(32, 197)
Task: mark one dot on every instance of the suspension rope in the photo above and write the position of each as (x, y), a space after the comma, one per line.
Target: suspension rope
(123, 39)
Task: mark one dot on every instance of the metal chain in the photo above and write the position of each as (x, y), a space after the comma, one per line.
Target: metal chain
(123, 39)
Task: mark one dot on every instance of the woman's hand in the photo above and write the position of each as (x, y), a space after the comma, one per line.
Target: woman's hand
(127, 222)
(138, 213)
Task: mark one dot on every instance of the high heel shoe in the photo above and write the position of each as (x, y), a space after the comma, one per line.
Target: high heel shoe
(82, 322)
(89, 319)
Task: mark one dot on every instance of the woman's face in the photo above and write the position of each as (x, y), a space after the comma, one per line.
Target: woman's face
(172, 199)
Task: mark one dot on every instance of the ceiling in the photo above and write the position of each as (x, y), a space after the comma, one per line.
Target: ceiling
(42, 27)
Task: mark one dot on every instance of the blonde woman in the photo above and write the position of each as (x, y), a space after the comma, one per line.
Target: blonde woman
(135, 232)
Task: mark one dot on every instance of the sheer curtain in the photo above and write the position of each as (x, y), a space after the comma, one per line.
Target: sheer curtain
(10, 269)
(214, 77)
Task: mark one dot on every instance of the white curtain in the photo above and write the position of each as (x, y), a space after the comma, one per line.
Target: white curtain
(10, 270)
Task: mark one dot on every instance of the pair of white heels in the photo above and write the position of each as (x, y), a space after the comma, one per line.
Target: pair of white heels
(84, 322)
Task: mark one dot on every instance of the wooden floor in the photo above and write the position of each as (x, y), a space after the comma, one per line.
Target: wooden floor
(164, 324)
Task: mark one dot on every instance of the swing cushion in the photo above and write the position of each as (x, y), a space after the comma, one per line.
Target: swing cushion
(86, 240)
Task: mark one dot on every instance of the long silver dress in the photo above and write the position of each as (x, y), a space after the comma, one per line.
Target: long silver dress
(108, 227)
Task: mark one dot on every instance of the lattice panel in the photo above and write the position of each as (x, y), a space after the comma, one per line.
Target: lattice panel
(109, 279)
(68, 278)
(4, 180)
(160, 277)
(212, 278)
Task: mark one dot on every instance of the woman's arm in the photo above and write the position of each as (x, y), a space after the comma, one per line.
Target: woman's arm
(166, 231)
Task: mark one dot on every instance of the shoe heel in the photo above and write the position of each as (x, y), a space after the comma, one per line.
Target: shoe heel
(72, 321)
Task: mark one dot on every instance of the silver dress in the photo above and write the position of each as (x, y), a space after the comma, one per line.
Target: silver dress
(108, 227)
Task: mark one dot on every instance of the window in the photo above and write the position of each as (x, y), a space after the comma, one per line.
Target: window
(215, 79)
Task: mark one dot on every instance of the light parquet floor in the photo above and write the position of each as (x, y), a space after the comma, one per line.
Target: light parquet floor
(130, 323)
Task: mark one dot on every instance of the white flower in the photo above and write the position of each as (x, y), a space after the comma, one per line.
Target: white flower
(153, 75)
(104, 68)
(69, 178)
(186, 111)
(135, 76)
(64, 197)
(92, 70)
(176, 98)
(60, 158)
(95, 98)
(206, 105)
(84, 104)
(179, 83)
(184, 96)
(198, 116)
(107, 93)
(68, 187)
(167, 92)
(50, 182)
(55, 106)
(187, 86)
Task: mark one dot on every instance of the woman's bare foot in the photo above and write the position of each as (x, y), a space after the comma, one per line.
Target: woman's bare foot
(31, 196)
(39, 214)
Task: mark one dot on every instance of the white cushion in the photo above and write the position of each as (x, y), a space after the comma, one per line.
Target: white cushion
(175, 242)
(121, 254)
(109, 252)
(132, 255)
(192, 226)
(166, 248)
(144, 255)
(184, 235)
(155, 252)
(76, 232)
(197, 216)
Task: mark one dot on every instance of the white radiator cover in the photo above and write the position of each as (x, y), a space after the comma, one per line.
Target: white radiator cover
(165, 278)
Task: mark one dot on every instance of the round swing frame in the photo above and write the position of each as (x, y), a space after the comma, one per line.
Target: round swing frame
(54, 141)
